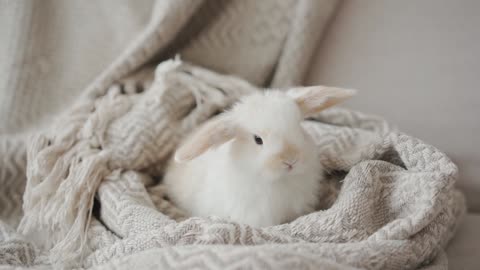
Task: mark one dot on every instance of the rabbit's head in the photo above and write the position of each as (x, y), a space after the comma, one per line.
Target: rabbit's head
(264, 131)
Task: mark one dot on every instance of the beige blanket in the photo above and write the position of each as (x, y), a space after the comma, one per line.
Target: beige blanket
(389, 202)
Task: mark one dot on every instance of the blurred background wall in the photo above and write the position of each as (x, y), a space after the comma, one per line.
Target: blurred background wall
(416, 63)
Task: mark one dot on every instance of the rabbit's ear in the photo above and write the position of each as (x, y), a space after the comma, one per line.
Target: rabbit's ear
(212, 134)
(313, 99)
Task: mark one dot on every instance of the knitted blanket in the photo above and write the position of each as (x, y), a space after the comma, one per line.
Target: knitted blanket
(94, 196)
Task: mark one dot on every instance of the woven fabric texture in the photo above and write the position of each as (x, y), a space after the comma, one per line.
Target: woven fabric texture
(389, 201)
(91, 180)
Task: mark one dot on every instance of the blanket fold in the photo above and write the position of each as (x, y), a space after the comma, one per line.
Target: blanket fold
(389, 201)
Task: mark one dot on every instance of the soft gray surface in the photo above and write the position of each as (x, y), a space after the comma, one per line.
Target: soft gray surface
(50, 50)
(463, 251)
(37, 75)
(416, 63)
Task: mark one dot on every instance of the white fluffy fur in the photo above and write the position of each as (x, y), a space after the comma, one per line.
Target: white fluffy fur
(241, 180)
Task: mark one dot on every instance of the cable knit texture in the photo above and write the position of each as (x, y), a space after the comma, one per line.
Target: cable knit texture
(91, 180)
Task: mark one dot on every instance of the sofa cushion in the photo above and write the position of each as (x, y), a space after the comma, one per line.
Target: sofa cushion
(464, 249)
(416, 63)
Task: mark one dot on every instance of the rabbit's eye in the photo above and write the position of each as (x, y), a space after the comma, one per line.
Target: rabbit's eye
(258, 140)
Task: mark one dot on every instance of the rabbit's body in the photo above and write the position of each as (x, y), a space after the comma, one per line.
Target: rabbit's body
(254, 164)
(220, 188)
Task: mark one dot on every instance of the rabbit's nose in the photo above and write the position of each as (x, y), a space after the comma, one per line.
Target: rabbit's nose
(289, 164)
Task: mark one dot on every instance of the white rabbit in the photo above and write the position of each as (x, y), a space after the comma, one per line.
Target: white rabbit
(254, 164)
